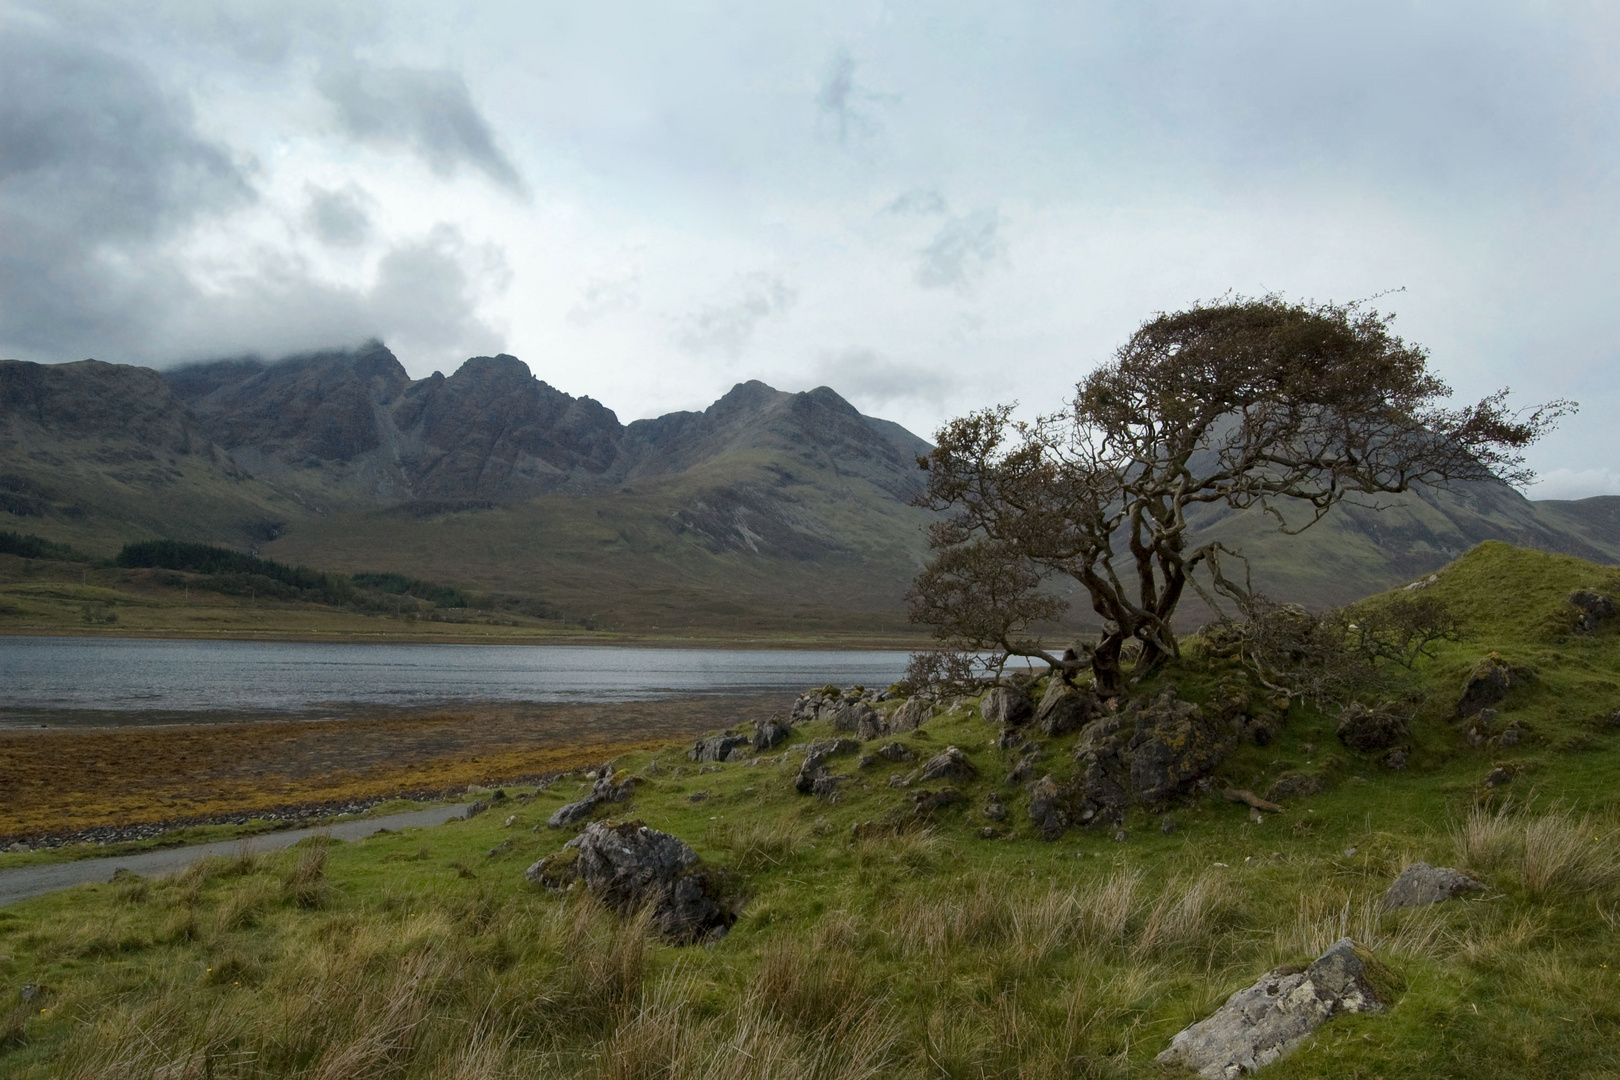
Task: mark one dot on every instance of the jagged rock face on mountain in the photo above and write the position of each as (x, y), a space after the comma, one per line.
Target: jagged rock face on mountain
(110, 403)
(493, 431)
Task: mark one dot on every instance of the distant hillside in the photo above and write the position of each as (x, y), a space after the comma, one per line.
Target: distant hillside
(760, 510)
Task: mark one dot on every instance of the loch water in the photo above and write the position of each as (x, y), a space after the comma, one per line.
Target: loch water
(90, 681)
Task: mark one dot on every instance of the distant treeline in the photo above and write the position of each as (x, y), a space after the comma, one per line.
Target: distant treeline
(234, 572)
(399, 585)
(29, 546)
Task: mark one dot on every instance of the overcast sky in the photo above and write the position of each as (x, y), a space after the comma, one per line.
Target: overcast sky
(929, 207)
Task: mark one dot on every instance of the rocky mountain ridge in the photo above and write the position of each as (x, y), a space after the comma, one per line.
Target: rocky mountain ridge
(492, 478)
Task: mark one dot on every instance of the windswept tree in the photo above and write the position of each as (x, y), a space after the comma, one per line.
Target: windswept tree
(1288, 408)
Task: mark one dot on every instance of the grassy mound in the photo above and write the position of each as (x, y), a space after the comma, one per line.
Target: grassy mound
(911, 947)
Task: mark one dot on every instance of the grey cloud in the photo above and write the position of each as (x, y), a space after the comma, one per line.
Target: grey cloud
(963, 249)
(429, 111)
(874, 381)
(99, 166)
(727, 328)
(338, 218)
(924, 202)
(604, 298)
(426, 290)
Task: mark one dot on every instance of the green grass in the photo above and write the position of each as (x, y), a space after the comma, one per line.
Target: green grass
(921, 953)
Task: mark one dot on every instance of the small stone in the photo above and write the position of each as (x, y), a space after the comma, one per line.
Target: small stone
(1167, 825)
(895, 752)
(1255, 815)
(1421, 884)
(866, 761)
(499, 849)
(509, 821)
(988, 833)
(898, 781)
(1349, 851)
(995, 809)
(19, 848)
(1498, 777)
(697, 796)
(1121, 836)
(1395, 760)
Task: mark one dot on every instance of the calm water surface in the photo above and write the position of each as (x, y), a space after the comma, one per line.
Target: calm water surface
(83, 680)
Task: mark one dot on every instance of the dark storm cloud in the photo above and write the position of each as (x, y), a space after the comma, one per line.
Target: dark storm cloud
(962, 250)
(726, 328)
(429, 111)
(339, 218)
(98, 163)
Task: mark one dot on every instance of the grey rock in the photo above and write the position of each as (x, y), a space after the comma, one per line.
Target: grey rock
(866, 761)
(629, 868)
(1007, 739)
(1395, 760)
(988, 832)
(610, 787)
(816, 756)
(1367, 729)
(995, 809)
(1006, 706)
(825, 787)
(770, 733)
(896, 752)
(860, 718)
(898, 781)
(718, 747)
(1593, 610)
(1167, 825)
(1421, 884)
(949, 764)
(476, 807)
(1173, 746)
(1049, 807)
(1488, 683)
(912, 715)
(1498, 776)
(1261, 1023)
(1024, 769)
(1064, 708)
(924, 803)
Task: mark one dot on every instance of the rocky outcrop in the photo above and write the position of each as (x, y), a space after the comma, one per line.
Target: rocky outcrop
(1146, 754)
(611, 787)
(1065, 708)
(723, 747)
(910, 716)
(1006, 706)
(631, 868)
(1367, 729)
(949, 764)
(1421, 884)
(814, 769)
(1592, 610)
(1487, 685)
(1261, 1023)
(769, 733)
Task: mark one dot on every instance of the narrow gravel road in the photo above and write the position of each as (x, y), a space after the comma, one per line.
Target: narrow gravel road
(27, 882)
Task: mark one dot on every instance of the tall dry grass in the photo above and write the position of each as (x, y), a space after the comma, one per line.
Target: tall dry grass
(1552, 854)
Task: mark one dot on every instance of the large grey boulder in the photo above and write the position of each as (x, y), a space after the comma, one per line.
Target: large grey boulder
(1261, 1023)
(611, 787)
(1421, 884)
(1006, 706)
(629, 867)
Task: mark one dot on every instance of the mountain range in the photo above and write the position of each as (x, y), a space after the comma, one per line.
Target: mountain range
(768, 508)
